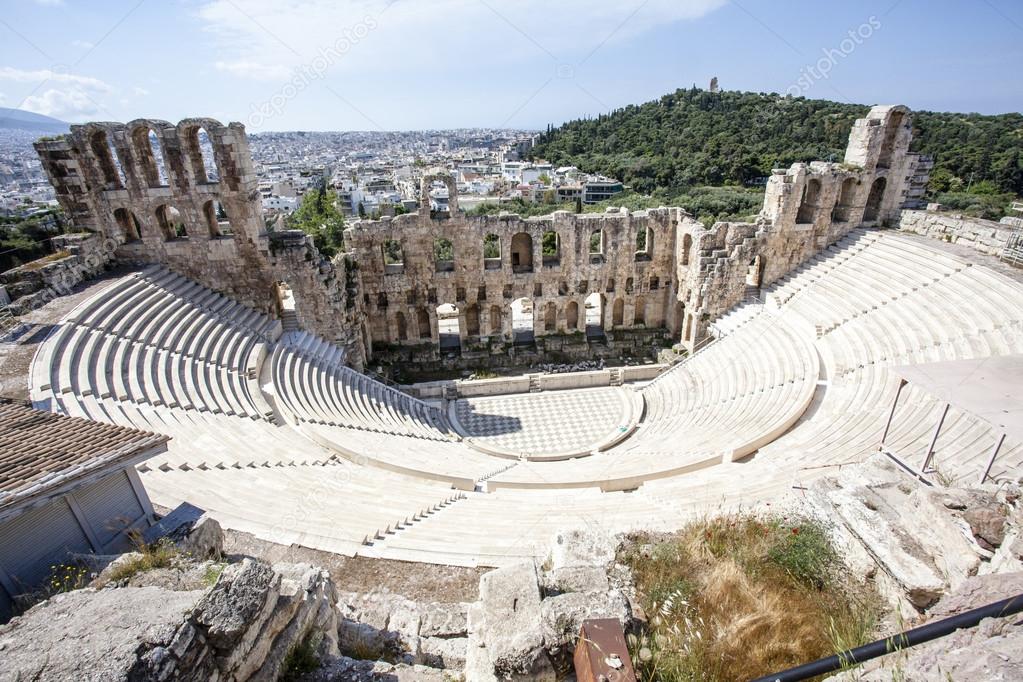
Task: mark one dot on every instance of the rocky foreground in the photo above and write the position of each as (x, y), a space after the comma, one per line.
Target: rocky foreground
(930, 551)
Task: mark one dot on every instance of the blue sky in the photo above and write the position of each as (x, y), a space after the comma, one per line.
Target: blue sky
(416, 64)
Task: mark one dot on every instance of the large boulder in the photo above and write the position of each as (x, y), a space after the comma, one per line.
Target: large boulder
(505, 634)
(915, 534)
(240, 629)
(97, 635)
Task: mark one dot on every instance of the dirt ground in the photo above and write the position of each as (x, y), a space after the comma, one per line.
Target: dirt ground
(412, 580)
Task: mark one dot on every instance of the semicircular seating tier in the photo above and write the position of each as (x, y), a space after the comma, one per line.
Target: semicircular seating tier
(275, 436)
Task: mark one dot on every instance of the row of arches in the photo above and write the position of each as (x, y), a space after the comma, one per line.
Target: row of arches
(457, 321)
(151, 158)
(841, 211)
(521, 251)
(170, 223)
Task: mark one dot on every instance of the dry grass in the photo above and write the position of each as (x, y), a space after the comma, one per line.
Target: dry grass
(45, 260)
(736, 597)
(160, 554)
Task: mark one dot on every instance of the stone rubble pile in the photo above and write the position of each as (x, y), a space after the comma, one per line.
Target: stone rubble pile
(581, 366)
(526, 621)
(915, 541)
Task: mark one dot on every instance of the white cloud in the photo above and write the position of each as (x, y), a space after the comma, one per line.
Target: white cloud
(20, 76)
(84, 44)
(140, 92)
(254, 70)
(71, 104)
(404, 38)
(66, 96)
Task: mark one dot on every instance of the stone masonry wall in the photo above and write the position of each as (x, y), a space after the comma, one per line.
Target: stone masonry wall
(636, 289)
(208, 226)
(806, 208)
(198, 212)
(985, 236)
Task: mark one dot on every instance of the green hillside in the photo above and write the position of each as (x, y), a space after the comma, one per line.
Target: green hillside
(693, 138)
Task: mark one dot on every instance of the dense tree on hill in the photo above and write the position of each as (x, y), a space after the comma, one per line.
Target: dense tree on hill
(23, 240)
(694, 137)
(319, 216)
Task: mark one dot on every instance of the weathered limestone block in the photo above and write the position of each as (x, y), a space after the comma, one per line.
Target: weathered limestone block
(562, 616)
(509, 626)
(108, 634)
(202, 540)
(444, 652)
(238, 601)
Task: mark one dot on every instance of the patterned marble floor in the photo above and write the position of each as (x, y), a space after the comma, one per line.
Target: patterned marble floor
(544, 423)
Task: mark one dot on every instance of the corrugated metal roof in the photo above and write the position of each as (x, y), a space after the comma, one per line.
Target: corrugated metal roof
(40, 450)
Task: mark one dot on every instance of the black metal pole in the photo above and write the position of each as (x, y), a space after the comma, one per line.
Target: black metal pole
(903, 640)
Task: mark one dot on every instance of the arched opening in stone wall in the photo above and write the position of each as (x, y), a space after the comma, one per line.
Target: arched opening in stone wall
(639, 311)
(618, 313)
(808, 205)
(402, 325)
(687, 246)
(678, 318)
(199, 148)
(472, 320)
(873, 207)
(689, 327)
(644, 244)
(843, 205)
(106, 156)
(629, 285)
(128, 224)
(572, 316)
(522, 252)
(522, 320)
(443, 255)
(492, 252)
(150, 153)
(448, 327)
(217, 223)
(423, 324)
(551, 248)
(169, 221)
(891, 133)
(594, 319)
(596, 246)
(755, 272)
(550, 317)
(495, 321)
(393, 257)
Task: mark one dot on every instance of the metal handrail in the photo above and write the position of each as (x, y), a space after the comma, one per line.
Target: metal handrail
(898, 642)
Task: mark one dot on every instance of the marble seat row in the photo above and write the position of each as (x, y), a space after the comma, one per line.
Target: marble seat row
(793, 390)
(315, 387)
(125, 344)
